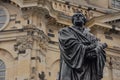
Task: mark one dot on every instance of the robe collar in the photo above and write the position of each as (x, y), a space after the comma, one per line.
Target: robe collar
(85, 31)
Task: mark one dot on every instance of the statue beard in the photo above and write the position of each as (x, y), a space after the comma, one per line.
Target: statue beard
(80, 24)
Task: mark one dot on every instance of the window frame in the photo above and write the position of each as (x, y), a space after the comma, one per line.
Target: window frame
(2, 70)
(7, 17)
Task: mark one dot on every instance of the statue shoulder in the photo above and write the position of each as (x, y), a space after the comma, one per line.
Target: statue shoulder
(87, 29)
(65, 32)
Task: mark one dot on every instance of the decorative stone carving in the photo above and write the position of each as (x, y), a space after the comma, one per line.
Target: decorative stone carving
(29, 27)
(116, 74)
(25, 16)
(26, 42)
(41, 38)
(23, 43)
(115, 62)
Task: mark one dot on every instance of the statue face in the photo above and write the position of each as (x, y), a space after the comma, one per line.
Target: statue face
(78, 19)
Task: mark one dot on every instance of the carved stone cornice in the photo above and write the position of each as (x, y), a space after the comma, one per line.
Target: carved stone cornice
(48, 5)
(60, 16)
(29, 1)
(53, 22)
(113, 49)
(104, 18)
(102, 25)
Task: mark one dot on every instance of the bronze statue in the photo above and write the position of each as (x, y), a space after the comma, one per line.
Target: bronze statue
(82, 54)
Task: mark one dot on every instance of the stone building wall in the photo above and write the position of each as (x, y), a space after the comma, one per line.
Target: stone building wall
(29, 37)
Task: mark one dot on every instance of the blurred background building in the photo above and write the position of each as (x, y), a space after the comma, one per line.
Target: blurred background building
(29, 47)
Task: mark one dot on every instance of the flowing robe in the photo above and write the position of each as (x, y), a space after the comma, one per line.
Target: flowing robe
(75, 63)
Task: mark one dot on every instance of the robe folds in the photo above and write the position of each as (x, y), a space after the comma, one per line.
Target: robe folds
(75, 60)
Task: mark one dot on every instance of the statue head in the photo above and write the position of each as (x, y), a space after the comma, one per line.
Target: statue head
(78, 19)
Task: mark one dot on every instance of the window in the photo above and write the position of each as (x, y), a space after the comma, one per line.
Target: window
(2, 70)
(115, 3)
(2, 17)
(51, 35)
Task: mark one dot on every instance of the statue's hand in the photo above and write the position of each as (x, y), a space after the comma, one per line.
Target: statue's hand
(91, 46)
(103, 45)
(91, 54)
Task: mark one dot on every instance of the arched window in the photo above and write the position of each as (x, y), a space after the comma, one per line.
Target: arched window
(3, 17)
(2, 70)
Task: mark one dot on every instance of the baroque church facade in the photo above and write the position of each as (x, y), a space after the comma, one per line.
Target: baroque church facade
(29, 48)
